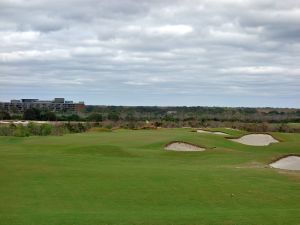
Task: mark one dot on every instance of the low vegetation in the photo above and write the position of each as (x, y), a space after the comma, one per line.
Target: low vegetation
(249, 119)
(34, 129)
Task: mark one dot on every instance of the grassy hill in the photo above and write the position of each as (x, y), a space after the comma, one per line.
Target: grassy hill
(126, 177)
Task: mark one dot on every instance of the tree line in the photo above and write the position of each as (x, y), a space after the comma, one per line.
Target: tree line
(168, 114)
(140, 117)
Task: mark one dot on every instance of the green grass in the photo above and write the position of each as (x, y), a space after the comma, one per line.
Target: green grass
(125, 177)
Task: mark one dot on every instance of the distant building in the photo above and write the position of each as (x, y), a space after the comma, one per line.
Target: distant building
(59, 100)
(56, 105)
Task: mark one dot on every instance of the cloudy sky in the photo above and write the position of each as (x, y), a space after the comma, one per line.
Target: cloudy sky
(159, 52)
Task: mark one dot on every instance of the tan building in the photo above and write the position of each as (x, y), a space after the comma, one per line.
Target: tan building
(56, 105)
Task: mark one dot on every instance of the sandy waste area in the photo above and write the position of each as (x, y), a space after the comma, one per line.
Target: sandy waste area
(23, 122)
(211, 132)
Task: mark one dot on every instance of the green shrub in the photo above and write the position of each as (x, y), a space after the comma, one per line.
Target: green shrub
(21, 131)
(45, 129)
(5, 131)
(59, 130)
(33, 128)
(100, 129)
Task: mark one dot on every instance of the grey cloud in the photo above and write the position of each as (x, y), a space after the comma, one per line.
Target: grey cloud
(129, 52)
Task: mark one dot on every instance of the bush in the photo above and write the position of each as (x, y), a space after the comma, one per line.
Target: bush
(109, 126)
(100, 129)
(59, 130)
(6, 131)
(45, 129)
(33, 128)
(21, 131)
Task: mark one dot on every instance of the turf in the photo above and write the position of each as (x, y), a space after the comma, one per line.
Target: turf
(125, 177)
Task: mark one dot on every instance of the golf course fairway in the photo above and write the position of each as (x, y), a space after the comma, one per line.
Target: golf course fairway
(126, 177)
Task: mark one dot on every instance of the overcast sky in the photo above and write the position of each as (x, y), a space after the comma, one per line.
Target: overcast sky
(136, 52)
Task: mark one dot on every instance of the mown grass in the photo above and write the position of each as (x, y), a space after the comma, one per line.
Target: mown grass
(125, 177)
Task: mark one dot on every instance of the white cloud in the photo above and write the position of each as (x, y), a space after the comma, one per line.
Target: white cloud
(255, 70)
(175, 30)
(34, 55)
(18, 38)
(135, 83)
(163, 48)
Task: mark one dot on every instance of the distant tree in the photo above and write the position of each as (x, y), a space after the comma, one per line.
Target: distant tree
(273, 112)
(96, 117)
(48, 115)
(16, 116)
(89, 109)
(113, 116)
(4, 115)
(73, 117)
(170, 118)
(130, 117)
(32, 114)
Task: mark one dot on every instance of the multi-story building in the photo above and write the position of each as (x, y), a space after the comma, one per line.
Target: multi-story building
(56, 105)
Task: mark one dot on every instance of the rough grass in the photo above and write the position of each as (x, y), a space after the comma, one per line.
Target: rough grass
(294, 125)
(125, 177)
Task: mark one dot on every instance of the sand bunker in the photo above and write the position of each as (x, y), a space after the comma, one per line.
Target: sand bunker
(23, 122)
(287, 163)
(229, 128)
(256, 139)
(211, 132)
(184, 147)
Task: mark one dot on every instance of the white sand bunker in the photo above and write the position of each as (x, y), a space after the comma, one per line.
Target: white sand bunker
(184, 147)
(230, 128)
(211, 132)
(287, 163)
(256, 139)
